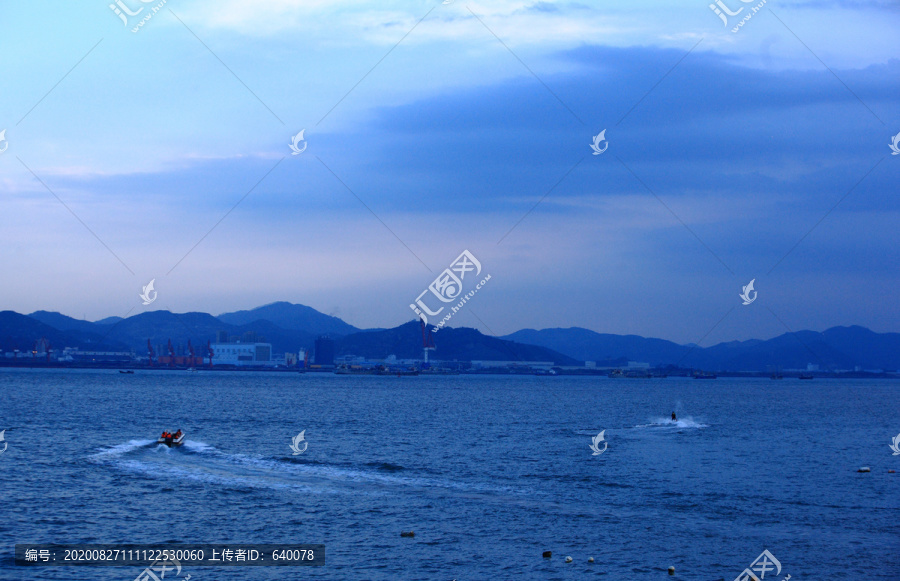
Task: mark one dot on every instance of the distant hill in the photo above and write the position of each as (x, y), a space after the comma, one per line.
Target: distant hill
(132, 333)
(282, 325)
(65, 323)
(451, 344)
(160, 326)
(21, 331)
(587, 345)
(200, 328)
(866, 348)
(292, 317)
(836, 348)
(282, 340)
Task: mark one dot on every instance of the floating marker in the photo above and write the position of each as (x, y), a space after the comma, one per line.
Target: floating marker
(671, 570)
(547, 554)
(590, 559)
(864, 469)
(568, 559)
(407, 534)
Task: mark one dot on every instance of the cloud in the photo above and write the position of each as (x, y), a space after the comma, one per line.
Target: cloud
(749, 144)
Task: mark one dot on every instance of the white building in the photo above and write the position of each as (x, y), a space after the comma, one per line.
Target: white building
(292, 359)
(242, 354)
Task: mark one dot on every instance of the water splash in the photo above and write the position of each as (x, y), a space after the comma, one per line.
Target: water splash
(682, 423)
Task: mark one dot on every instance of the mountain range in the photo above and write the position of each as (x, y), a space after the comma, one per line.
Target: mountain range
(835, 348)
(290, 327)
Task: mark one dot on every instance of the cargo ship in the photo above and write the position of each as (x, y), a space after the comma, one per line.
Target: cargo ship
(345, 369)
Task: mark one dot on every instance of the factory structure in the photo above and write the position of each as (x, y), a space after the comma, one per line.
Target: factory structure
(247, 350)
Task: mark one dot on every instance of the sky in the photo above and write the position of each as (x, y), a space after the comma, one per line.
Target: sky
(161, 151)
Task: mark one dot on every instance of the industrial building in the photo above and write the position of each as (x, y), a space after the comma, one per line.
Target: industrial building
(242, 354)
(324, 352)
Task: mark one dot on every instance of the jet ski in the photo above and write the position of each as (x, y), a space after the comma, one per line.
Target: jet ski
(171, 440)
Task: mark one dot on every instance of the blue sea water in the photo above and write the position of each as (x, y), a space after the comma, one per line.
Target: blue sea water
(489, 471)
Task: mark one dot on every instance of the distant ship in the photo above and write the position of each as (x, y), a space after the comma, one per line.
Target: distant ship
(633, 374)
(438, 371)
(805, 376)
(704, 375)
(345, 369)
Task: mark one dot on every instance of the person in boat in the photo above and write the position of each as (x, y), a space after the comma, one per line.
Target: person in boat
(178, 434)
(165, 434)
(673, 416)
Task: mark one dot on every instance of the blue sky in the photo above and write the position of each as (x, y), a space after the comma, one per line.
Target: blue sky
(725, 150)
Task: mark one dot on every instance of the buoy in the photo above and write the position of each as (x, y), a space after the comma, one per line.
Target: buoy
(671, 570)
(590, 559)
(407, 534)
(547, 554)
(890, 471)
(864, 469)
(568, 559)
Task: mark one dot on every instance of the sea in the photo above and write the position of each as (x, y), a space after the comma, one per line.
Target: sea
(489, 472)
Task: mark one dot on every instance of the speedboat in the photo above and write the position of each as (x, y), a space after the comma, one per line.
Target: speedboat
(171, 440)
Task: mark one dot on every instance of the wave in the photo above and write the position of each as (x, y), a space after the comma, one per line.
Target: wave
(122, 449)
(386, 466)
(682, 423)
(200, 462)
